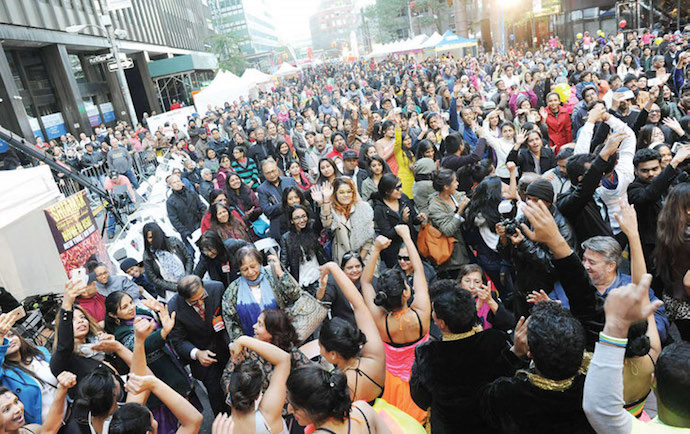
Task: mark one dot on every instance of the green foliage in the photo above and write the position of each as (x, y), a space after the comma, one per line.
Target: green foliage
(384, 13)
(228, 49)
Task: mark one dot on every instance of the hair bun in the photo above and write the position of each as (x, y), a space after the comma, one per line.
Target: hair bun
(381, 298)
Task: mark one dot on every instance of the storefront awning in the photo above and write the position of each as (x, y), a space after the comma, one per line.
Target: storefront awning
(179, 64)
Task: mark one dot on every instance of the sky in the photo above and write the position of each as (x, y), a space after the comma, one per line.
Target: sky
(291, 17)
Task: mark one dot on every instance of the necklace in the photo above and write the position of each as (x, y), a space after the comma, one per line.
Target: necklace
(547, 383)
(457, 336)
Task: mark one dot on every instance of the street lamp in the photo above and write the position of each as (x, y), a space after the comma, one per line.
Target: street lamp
(111, 33)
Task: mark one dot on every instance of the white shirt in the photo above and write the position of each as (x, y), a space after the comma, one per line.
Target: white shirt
(624, 167)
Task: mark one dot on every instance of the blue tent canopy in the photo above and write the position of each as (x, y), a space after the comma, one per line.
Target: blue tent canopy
(451, 41)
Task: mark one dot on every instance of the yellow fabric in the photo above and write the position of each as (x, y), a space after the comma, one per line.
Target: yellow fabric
(404, 172)
(654, 427)
(397, 394)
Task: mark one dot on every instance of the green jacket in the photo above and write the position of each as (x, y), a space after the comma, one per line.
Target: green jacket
(286, 291)
(443, 217)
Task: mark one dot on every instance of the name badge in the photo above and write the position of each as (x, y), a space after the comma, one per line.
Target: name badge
(226, 268)
(218, 323)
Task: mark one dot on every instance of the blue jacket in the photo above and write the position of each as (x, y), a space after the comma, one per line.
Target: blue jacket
(270, 200)
(662, 322)
(26, 387)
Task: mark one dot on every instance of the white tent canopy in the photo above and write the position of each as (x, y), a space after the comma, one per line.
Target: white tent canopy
(252, 77)
(225, 87)
(401, 46)
(433, 40)
(285, 69)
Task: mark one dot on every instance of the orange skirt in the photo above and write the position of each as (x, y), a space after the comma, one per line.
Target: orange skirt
(397, 393)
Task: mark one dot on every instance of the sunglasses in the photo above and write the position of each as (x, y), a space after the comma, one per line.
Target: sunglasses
(398, 187)
(349, 255)
(403, 258)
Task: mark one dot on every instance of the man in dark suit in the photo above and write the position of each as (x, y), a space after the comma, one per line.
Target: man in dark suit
(199, 335)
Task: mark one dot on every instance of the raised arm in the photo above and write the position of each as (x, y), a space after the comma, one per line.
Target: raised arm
(374, 347)
(273, 400)
(53, 421)
(421, 302)
(368, 292)
(184, 411)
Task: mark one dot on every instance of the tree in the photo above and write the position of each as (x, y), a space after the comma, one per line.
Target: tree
(435, 10)
(228, 49)
(390, 16)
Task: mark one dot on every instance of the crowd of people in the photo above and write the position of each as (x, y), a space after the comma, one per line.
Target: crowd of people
(487, 244)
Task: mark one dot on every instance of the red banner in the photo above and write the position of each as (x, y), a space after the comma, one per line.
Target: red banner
(75, 232)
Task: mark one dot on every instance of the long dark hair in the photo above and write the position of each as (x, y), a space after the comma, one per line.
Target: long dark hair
(283, 333)
(233, 222)
(302, 244)
(235, 200)
(320, 393)
(27, 353)
(284, 204)
(336, 172)
(112, 304)
(671, 238)
(485, 199)
(341, 336)
(212, 239)
(387, 184)
(422, 147)
(160, 241)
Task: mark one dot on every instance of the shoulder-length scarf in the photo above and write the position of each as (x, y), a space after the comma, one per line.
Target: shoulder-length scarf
(248, 309)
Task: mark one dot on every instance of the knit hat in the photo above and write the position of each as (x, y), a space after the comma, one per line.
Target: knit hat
(128, 263)
(424, 166)
(350, 154)
(541, 189)
(629, 77)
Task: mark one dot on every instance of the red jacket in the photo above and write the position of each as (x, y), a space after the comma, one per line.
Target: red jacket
(560, 130)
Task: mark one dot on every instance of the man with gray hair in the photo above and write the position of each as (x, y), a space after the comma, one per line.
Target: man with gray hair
(206, 186)
(601, 258)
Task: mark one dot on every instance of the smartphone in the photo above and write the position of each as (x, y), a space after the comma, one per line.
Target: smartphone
(17, 313)
(80, 275)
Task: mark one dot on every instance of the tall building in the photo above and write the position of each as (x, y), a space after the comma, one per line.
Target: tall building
(251, 20)
(331, 26)
(53, 82)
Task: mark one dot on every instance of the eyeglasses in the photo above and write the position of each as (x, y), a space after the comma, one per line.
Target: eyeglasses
(403, 258)
(197, 301)
(209, 251)
(344, 191)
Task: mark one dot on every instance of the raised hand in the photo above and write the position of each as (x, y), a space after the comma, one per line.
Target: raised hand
(627, 219)
(73, 289)
(673, 124)
(316, 193)
(403, 231)
(326, 191)
(612, 145)
(139, 383)
(520, 347)
(545, 227)
(521, 136)
(537, 297)
(143, 328)
(167, 321)
(66, 380)
(381, 243)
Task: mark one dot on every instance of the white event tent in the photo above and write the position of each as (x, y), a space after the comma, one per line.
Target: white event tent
(225, 86)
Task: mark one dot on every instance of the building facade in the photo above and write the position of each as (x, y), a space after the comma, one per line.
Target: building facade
(53, 82)
(332, 25)
(251, 20)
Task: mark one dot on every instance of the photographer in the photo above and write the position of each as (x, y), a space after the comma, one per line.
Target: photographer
(532, 261)
(119, 188)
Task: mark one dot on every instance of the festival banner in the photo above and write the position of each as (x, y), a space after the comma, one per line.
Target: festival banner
(75, 232)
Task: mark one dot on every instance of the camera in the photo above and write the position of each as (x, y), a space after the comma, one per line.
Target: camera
(508, 210)
(511, 226)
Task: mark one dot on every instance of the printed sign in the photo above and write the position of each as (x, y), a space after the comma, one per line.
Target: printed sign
(75, 232)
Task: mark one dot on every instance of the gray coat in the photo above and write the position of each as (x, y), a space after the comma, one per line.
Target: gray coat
(443, 217)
